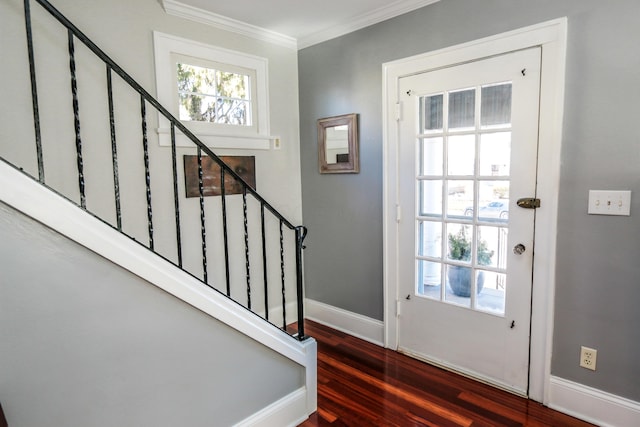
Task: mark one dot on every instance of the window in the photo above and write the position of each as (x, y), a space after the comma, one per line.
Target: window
(213, 95)
(219, 94)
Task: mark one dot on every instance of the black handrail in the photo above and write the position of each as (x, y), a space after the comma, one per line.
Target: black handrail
(74, 33)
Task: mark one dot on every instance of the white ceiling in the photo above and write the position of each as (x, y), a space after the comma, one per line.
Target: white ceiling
(306, 22)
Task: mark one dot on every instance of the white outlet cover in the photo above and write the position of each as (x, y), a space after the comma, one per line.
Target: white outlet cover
(588, 357)
(604, 202)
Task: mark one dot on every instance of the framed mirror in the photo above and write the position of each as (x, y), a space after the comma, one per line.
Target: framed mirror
(338, 144)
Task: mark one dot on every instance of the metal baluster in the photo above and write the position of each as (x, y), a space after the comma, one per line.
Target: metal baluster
(264, 263)
(34, 91)
(175, 193)
(74, 34)
(246, 244)
(114, 150)
(202, 218)
(282, 273)
(224, 230)
(301, 233)
(76, 119)
(147, 176)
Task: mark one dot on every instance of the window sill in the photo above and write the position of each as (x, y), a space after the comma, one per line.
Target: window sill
(214, 140)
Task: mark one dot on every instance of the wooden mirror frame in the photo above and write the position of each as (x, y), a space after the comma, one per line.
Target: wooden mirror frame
(353, 163)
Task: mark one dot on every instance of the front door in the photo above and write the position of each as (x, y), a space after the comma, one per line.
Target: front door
(468, 152)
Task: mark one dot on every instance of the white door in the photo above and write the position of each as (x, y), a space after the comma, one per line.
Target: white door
(468, 152)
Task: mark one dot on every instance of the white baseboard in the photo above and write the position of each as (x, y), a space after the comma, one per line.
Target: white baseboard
(360, 326)
(592, 405)
(289, 411)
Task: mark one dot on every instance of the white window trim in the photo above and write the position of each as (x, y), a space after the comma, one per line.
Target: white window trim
(166, 46)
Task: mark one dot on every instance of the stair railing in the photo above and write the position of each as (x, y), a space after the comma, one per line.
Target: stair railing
(282, 225)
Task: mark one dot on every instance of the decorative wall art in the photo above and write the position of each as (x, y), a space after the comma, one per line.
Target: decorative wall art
(245, 166)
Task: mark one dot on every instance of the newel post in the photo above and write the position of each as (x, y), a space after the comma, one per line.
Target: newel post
(301, 233)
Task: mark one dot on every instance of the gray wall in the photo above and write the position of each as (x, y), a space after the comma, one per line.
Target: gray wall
(597, 269)
(86, 343)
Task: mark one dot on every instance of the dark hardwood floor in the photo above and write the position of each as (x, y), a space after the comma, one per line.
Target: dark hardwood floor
(361, 384)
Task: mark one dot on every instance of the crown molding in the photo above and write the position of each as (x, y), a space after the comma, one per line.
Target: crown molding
(375, 16)
(202, 16)
(399, 7)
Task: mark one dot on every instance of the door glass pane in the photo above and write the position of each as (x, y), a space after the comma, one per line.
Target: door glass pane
(462, 106)
(493, 201)
(430, 242)
(461, 155)
(501, 248)
(431, 159)
(492, 296)
(430, 198)
(431, 113)
(459, 242)
(459, 198)
(489, 240)
(495, 154)
(459, 285)
(495, 107)
(429, 279)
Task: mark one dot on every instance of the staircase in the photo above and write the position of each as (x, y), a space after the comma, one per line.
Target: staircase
(234, 257)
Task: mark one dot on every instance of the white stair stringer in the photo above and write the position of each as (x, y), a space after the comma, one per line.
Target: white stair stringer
(36, 201)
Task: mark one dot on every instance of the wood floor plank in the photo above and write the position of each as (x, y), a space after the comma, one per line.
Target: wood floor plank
(401, 393)
(361, 384)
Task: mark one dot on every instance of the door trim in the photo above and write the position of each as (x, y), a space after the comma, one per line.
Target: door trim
(551, 36)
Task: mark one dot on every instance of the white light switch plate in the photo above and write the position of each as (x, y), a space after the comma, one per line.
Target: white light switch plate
(609, 202)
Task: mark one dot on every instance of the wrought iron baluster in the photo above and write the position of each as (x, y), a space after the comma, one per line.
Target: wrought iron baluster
(147, 174)
(176, 200)
(76, 119)
(34, 91)
(282, 273)
(114, 150)
(203, 229)
(264, 263)
(246, 244)
(75, 36)
(301, 233)
(224, 230)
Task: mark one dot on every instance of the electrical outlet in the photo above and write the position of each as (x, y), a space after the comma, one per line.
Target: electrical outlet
(588, 357)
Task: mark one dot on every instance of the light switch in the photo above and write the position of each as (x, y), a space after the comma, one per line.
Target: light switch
(609, 202)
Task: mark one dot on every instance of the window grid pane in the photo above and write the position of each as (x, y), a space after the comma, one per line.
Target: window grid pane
(209, 95)
(462, 109)
(466, 249)
(496, 105)
(432, 113)
(430, 198)
(495, 154)
(431, 159)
